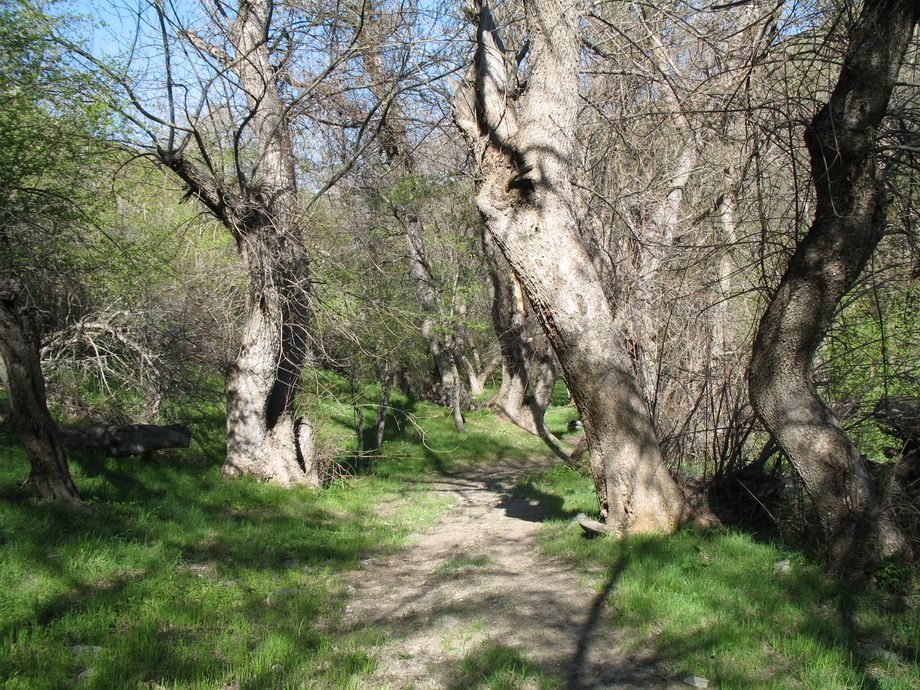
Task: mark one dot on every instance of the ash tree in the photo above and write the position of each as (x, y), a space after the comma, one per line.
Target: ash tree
(522, 131)
(240, 101)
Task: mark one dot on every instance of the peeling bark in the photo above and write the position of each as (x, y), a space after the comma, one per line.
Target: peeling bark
(527, 200)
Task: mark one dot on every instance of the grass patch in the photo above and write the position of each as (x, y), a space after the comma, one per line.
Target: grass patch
(721, 605)
(184, 580)
(187, 581)
(496, 666)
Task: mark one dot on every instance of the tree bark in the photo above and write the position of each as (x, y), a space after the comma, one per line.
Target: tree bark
(529, 366)
(527, 200)
(25, 386)
(260, 209)
(849, 222)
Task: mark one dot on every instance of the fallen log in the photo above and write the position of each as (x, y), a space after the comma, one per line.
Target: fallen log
(122, 441)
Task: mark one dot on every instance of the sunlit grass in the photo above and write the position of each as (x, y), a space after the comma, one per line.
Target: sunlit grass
(184, 580)
(718, 604)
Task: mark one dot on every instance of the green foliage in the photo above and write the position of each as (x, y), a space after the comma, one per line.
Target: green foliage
(872, 353)
(51, 133)
(419, 437)
(718, 604)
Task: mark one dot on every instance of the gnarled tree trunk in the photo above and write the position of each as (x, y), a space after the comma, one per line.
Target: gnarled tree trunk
(260, 209)
(849, 222)
(25, 386)
(527, 200)
(529, 365)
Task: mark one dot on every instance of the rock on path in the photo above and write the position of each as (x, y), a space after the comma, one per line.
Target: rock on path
(477, 578)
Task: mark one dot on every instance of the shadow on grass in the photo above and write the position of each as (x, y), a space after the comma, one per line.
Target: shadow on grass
(713, 605)
(182, 578)
(551, 504)
(497, 666)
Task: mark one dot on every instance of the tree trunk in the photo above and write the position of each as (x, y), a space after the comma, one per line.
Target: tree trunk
(263, 379)
(529, 367)
(400, 159)
(25, 386)
(849, 222)
(260, 209)
(451, 386)
(527, 200)
(386, 382)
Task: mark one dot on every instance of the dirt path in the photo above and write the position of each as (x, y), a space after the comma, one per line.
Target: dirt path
(476, 579)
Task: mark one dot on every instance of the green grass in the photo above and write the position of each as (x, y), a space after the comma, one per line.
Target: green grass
(718, 604)
(494, 666)
(184, 580)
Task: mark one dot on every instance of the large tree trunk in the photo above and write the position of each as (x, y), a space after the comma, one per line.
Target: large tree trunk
(262, 429)
(25, 386)
(849, 222)
(529, 366)
(527, 200)
(260, 208)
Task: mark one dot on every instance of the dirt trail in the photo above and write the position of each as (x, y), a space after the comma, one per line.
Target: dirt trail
(477, 578)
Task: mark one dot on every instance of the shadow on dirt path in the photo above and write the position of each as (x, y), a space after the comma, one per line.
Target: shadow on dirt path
(476, 582)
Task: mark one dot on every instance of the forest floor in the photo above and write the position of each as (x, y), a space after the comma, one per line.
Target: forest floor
(473, 595)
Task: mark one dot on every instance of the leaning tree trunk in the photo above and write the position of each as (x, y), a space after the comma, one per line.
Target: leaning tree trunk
(25, 386)
(529, 366)
(849, 223)
(527, 200)
(260, 209)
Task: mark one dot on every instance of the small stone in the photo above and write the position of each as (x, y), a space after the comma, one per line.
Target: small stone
(885, 655)
(280, 594)
(84, 675)
(351, 591)
(81, 649)
(784, 566)
(277, 668)
(696, 682)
